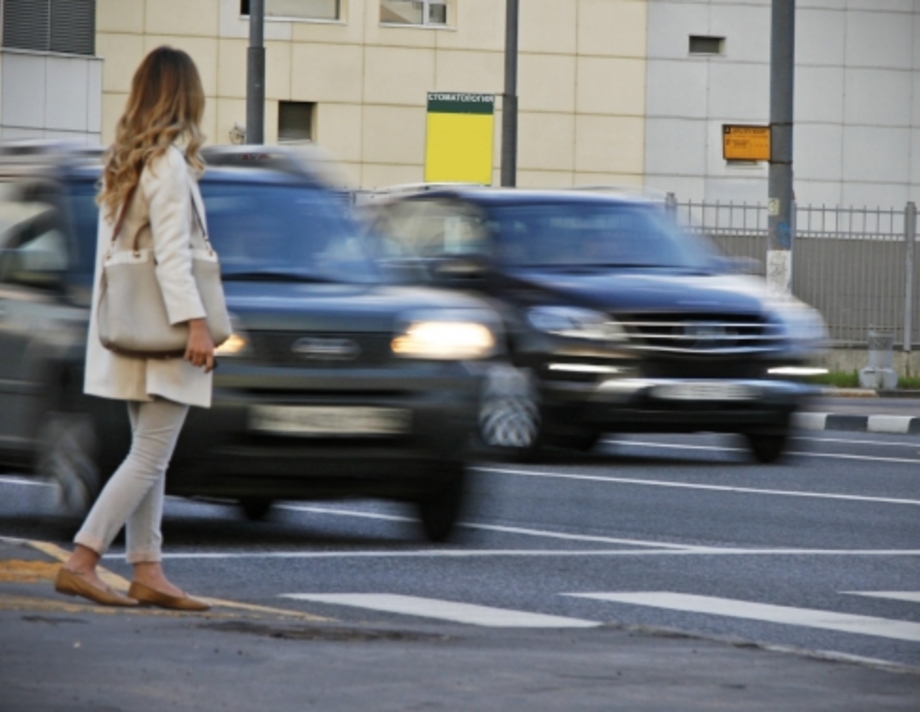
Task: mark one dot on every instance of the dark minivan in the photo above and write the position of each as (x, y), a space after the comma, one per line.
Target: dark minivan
(334, 384)
(616, 320)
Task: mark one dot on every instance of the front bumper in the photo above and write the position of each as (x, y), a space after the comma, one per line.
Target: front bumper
(674, 405)
(222, 452)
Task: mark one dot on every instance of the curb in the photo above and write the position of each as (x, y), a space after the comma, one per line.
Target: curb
(890, 424)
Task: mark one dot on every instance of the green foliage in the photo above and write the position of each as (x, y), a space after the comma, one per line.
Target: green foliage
(837, 379)
(850, 379)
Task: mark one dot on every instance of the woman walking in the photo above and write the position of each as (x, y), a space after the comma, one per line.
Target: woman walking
(149, 193)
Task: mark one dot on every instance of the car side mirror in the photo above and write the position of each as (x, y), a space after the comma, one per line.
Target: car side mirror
(32, 267)
(458, 269)
(742, 265)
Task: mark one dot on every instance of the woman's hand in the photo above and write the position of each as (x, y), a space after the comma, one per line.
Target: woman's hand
(199, 349)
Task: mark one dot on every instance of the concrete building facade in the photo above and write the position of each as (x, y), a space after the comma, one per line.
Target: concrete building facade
(630, 92)
(857, 99)
(50, 76)
(361, 79)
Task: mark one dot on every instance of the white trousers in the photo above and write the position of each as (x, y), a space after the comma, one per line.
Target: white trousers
(133, 496)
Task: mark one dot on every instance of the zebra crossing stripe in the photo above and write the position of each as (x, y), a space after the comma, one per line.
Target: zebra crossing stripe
(444, 610)
(909, 596)
(808, 617)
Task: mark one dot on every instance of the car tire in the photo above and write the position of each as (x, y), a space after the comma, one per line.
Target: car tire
(510, 422)
(256, 508)
(767, 446)
(582, 442)
(68, 457)
(439, 509)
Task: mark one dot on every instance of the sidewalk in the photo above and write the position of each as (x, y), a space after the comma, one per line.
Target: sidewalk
(59, 654)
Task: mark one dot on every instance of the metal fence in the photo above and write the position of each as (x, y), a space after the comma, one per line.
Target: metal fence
(855, 265)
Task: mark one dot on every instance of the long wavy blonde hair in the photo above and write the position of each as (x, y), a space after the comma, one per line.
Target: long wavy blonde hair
(165, 105)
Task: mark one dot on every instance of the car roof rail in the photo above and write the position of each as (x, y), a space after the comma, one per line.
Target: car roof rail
(50, 152)
(364, 196)
(639, 191)
(305, 160)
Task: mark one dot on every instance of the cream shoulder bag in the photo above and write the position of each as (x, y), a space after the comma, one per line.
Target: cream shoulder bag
(132, 315)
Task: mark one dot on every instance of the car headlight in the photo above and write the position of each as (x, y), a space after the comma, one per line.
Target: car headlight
(460, 335)
(237, 344)
(576, 323)
(802, 325)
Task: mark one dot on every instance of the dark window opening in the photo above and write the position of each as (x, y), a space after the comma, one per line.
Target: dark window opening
(295, 121)
(706, 45)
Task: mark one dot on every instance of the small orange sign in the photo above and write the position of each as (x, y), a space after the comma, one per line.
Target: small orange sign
(745, 143)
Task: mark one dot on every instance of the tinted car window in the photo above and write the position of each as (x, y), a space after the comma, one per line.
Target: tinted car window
(32, 232)
(285, 230)
(85, 216)
(578, 234)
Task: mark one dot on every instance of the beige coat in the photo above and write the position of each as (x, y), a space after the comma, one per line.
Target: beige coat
(162, 211)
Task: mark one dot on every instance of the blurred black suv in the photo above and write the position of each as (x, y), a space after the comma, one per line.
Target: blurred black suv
(334, 384)
(616, 320)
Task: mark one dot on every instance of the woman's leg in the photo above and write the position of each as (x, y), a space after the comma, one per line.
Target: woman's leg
(136, 485)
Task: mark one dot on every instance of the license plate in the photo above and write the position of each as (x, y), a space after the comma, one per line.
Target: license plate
(704, 391)
(328, 420)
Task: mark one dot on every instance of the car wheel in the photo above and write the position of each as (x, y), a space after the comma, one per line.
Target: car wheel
(256, 508)
(68, 458)
(439, 509)
(509, 415)
(767, 446)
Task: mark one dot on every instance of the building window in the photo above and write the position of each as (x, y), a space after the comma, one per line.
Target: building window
(707, 45)
(295, 121)
(50, 25)
(413, 12)
(299, 9)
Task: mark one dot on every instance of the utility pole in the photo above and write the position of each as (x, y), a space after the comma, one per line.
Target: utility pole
(255, 74)
(781, 218)
(509, 98)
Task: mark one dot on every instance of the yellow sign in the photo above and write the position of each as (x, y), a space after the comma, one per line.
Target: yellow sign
(745, 143)
(460, 130)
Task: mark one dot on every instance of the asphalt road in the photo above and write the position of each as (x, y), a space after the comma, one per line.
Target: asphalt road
(820, 554)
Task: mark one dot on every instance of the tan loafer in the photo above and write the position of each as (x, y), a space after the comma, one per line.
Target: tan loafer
(150, 596)
(71, 584)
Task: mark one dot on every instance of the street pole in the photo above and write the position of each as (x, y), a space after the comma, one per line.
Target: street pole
(255, 74)
(509, 98)
(780, 219)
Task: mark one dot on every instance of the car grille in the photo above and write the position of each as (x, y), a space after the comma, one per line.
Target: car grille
(701, 333)
(320, 350)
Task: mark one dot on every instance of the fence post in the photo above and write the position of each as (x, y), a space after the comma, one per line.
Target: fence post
(670, 204)
(910, 242)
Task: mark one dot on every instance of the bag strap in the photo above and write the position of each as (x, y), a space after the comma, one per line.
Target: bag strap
(121, 219)
(124, 211)
(198, 219)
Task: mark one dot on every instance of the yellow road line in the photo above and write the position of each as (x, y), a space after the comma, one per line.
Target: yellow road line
(119, 583)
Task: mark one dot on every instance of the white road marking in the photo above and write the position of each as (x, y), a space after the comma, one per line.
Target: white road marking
(690, 485)
(488, 527)
(826, 455)
(444, 610)
(523, 553)
(909, 596)
(787, 615)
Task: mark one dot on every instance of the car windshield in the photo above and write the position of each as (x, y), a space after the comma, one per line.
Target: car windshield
(286, 233)
(591, 236)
